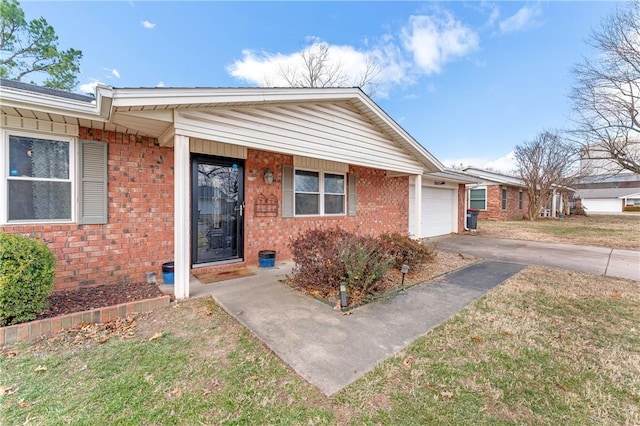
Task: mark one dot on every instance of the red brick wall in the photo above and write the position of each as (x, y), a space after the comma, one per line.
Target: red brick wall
(494, 209)
(382, 206)
(462, 213)
(139, 235)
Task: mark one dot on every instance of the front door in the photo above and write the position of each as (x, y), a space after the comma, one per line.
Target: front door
(217, 209)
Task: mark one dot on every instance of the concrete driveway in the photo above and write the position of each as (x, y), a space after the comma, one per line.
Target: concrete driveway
(592, 260)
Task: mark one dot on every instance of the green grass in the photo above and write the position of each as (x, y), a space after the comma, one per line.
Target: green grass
(546, 347)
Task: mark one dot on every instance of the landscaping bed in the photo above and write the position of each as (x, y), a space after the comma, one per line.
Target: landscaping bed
(87, 298)
(442, 264)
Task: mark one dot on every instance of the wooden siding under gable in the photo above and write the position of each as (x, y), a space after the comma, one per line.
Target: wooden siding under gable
(330, 131)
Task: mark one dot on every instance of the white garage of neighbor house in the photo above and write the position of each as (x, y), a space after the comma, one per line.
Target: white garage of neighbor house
(604, 200)
(439, 204)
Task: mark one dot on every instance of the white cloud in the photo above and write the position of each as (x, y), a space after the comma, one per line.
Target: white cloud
(89, 87)
(115, 73)
(160, 84)
(422, 47)
(148, 25)
(526, 17)
(494, 16)
(436, 40)
(505, 164)
(269, 69)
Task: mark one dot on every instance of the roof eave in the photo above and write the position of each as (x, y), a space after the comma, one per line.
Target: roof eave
(99, 109)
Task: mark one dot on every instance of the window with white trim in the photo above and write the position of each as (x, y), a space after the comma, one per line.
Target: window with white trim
(39, 178)
(318, 193)
(478, 198)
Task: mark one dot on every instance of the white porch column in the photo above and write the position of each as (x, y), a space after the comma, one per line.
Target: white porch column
(417, 207)
(553, 203)
(181, 208)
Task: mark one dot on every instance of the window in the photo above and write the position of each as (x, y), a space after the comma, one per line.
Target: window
(307, 187)
(478, 199)
(520, 200)
(504, 198)
(39, 179)
(333, 194)
(47, 179)
(319, 193)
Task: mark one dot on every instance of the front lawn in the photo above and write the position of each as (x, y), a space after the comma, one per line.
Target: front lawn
(611, 231)
(546, 347)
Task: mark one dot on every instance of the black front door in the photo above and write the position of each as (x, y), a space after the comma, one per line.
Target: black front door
(217, 209)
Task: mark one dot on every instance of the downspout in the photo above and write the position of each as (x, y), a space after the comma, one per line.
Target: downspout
(464, 213)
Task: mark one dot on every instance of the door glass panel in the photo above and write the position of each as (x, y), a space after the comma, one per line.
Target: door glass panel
(218, 212)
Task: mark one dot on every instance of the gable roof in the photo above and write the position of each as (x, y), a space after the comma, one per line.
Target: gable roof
(607, 193)
(494, 177)
(156, 111)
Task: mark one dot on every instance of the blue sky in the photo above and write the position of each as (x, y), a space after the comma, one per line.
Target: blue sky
(468, 80)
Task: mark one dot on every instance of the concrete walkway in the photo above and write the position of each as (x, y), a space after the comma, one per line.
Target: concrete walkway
(592, 260)
(331, 350)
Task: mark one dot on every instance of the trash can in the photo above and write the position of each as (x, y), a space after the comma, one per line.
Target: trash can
(167, 272)
(267, 258)
(472, 219)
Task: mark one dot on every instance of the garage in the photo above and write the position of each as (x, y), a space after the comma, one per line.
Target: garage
(603, 200)
(439, 211)
(602, 205)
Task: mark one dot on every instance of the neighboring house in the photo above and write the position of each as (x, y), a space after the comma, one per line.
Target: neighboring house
(119, 183)
(608, 193)
(497, 196)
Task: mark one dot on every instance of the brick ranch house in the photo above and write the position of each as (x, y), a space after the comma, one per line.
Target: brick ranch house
(497, 196)
(500, 196)
(119, 183)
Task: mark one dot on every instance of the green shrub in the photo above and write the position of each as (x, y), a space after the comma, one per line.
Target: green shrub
(27, 268)
(408, 251)
(365, 263)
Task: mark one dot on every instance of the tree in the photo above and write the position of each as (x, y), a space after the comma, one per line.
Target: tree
(606, 95)
(31, 48)
(320, 68)
(545, 163)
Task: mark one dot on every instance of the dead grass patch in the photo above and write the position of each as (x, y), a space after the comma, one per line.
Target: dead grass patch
(546, 347)
(611, 231)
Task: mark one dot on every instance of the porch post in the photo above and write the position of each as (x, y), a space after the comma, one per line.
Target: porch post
(553, 203)
(417, 212)
(181, 208)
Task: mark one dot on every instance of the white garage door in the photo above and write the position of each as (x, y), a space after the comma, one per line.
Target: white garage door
(439, 206)
(602, 205)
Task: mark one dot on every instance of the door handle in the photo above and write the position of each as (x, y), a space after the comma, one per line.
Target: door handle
(240, 209)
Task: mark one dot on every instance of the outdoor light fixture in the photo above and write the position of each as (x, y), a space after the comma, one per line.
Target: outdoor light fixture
(404, 269)
(343, 295)
(268, 176)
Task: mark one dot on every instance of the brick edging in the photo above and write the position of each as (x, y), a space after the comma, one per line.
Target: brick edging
(29, 330)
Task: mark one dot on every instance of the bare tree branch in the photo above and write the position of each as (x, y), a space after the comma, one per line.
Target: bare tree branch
(545, 163)
(606, 96)
(320, 69)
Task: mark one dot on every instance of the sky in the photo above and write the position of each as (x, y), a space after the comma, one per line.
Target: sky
(469, 80)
